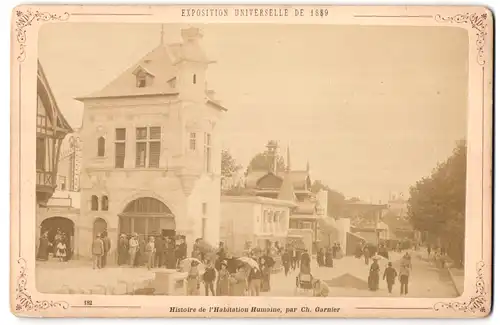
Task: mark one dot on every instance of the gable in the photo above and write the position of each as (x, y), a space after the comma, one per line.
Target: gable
(270, 181)
(47, 105)
(157, 64)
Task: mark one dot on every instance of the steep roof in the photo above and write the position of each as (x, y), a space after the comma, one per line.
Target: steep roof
(49, 101)
(299, 178)
(159, 63)
(286, 192)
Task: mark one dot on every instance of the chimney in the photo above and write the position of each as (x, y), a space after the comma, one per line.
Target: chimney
(191, 34)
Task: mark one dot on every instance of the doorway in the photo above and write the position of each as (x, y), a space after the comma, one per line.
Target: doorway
(147, 217)
(64, 226)
(100, 225)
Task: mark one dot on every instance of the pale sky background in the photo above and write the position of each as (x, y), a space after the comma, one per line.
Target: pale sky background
(373, 109)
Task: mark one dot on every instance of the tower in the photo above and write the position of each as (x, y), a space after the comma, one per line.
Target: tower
(192, 66)
(272, 154)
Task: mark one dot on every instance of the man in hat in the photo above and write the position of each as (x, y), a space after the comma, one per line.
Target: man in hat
(160, 243)
(107, 247)
(122, 250)
(404, 277)
(209, 278)
(97, 251)
(133, 247)
(390, 275)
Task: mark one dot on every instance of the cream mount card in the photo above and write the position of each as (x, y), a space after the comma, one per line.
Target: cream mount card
(251, 161)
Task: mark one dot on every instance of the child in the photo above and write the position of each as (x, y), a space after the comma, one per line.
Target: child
(61, 251)
(320, 288)
(150, 252)
(390, 275)
(193, 282)
(209, 278)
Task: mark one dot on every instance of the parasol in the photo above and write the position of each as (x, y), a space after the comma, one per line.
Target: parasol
(250, 261)
(185, 264)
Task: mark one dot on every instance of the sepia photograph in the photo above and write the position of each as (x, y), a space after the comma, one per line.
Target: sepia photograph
(190, 161)
(209, 159)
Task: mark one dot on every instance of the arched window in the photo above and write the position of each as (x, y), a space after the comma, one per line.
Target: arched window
(194, 79)
(101, 145)
(94, 204)
(104, 203)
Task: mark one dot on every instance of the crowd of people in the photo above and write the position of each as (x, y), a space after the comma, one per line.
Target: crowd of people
(390, 275)
(59, 247)
(222, 274)
(134, 251)
(326, 256)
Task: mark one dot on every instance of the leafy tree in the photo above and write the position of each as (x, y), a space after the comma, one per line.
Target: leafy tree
(336, 200)
(262, 161)
(228, 164)
(437, 203)
(317, 186)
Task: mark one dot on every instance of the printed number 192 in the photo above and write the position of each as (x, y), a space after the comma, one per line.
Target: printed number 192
(87, 302)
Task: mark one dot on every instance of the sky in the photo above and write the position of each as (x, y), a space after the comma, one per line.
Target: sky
(372, 108)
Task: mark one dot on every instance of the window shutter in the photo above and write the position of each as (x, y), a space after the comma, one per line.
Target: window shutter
(119, 155)
(155, 133)
(154, 154)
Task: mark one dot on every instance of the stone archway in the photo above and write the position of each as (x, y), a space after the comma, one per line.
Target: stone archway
(147, 216)
(62, 226)
(100, 225)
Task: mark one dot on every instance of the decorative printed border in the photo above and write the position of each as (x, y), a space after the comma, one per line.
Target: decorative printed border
(25, 302)
(477, 23)
(23, 298)
(25, 19)
(475, 303)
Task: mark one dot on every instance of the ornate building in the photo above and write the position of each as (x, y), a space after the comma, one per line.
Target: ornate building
(308, 218)
(51, 129)
(151, 149)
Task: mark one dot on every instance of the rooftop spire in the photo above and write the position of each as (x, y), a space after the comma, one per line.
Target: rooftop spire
(288, 167)
(162, 34)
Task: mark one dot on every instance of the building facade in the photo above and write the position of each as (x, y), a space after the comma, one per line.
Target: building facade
(253, 220)
(151, 150)
(308, 218)
(51, 129)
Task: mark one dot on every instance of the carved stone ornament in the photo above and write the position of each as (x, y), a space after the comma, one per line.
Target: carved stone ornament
(478, 24)
(477, 303)
(24, 301)
(25, 19)
(188, 182)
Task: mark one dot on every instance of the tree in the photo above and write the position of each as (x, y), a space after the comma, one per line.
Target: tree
(336, 200)
(437, 203)
(262, 161)
(228, 164)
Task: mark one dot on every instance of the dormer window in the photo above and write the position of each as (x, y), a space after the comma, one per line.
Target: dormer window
(141, 81)
(143, 77)
(172, 83)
